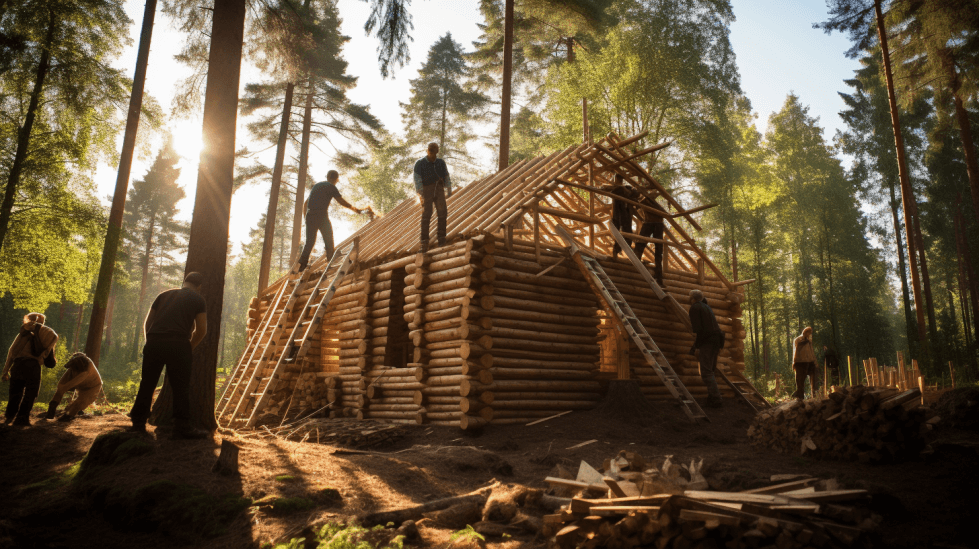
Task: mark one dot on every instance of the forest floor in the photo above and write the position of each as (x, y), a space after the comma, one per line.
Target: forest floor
(161, 493)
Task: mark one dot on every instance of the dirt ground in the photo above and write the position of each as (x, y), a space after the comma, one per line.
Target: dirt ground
(924, 503)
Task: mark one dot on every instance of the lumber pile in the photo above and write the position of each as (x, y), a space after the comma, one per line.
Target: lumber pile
(704, 519)
(634, 502)
(855, 423)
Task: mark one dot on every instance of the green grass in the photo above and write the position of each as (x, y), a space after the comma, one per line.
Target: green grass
(286, 478)
(335, 535)
(62, 479)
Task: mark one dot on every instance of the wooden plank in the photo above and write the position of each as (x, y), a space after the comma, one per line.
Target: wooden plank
(542, 420)
(704, 516)
(585, 443)
(785, 486)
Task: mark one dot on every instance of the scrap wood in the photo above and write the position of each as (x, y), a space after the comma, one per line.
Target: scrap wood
(555, 481)
(586, 443)
(398, 516)
(542, 420)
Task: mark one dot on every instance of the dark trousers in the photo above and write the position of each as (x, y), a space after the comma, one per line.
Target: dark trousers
(23, 393)
(621, 220)
(802, 371)
(654, 230)
(433, 195)
(707, 355)
(177, 357)
(317, 222)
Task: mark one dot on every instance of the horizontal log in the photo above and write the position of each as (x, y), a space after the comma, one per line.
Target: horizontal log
(545, 395)
(500, 404)
(547, 330)
(520, 314)
(540, 373)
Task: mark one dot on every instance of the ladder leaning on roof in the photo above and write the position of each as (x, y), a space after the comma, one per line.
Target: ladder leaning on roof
(605, 288)
(296, 348)
(260, 346)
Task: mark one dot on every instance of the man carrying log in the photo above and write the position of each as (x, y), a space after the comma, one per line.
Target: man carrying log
(709, 342)
(175, 325)
(81, 376)
(317, 208)
(433, 185)
(832, 361)
(804, 363)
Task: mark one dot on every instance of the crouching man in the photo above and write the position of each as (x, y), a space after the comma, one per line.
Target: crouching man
(81, 376)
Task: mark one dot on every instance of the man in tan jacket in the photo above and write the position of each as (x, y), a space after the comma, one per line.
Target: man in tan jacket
(23, 366)
(82, 376)
(804, 363)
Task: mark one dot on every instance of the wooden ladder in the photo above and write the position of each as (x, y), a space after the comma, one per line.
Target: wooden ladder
(744, 389)
(261, 345)
(667, 299)
(296, 348)
(605, 288)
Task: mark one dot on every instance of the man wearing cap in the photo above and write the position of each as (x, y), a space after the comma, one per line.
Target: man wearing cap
(317, 214)
(708, 344)
(433, 185)
(175, 325)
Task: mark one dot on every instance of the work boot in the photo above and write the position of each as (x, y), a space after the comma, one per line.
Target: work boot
(301, 268)
(52, 409)
(7, 420)
(22, 421)
(68, 417)
(189, 433)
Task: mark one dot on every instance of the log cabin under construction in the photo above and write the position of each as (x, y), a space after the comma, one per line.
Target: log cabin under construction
(522, 314)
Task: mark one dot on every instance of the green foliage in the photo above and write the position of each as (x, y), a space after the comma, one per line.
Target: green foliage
(335, 535)
(467, 533)
(443, 103)
(386, 179)
(61, 479)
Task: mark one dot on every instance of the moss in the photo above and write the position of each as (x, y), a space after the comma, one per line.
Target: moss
(335, 535)
(179, 510)
(62, 479)
(112, 449)
(286, 478)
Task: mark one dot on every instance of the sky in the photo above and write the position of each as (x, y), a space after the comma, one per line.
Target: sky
(778, 52)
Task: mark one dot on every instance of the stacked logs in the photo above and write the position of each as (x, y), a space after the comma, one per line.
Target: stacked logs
(389, 388)
(669, 332)
(449, 291)
(858, 423)
(702, 520)
(343, 340)
(545, 339)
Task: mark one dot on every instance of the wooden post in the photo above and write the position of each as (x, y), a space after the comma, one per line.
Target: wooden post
(591, 207)
(227, 463)
(951, 372)
(537, 230)
(902, 370)
(921, 387)
(849, 369)
(825, 380)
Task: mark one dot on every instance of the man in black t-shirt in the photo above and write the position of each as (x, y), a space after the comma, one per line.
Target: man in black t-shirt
(317, 215)
(175, 325)
(708, 343)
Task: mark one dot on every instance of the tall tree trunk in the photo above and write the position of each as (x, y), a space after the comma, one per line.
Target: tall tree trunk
(965, 134)
(93, 344)
(907, 194)
(972, 279)
(902, 270)
(143, 283)
(78, 327)
(108, 320)
(207, 250)
(934, 350)
(280, 154)
(24, 135)
(963, 285)
(507, 84)
(297, 222)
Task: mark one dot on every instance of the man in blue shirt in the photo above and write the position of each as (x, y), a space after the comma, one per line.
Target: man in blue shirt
(433, 185)
(317, 215)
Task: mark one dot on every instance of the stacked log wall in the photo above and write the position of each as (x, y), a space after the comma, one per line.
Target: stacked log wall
(388, 386)
(544, 336)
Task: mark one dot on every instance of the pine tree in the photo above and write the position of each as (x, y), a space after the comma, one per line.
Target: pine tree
(442, 104)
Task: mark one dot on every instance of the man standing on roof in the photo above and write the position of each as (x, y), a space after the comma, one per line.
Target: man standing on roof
(708, 344)
(621, 210)
(652, 226)
(175, 325)
(317, 215)
(433, 185)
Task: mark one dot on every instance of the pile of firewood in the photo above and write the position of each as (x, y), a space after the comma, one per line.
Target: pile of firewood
(858, 423)
(785, 515)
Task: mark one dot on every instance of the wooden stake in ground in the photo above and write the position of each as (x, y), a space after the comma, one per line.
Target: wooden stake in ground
(227, 463)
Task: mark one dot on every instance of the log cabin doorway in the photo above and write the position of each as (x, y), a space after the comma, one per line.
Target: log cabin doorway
(399, 350)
